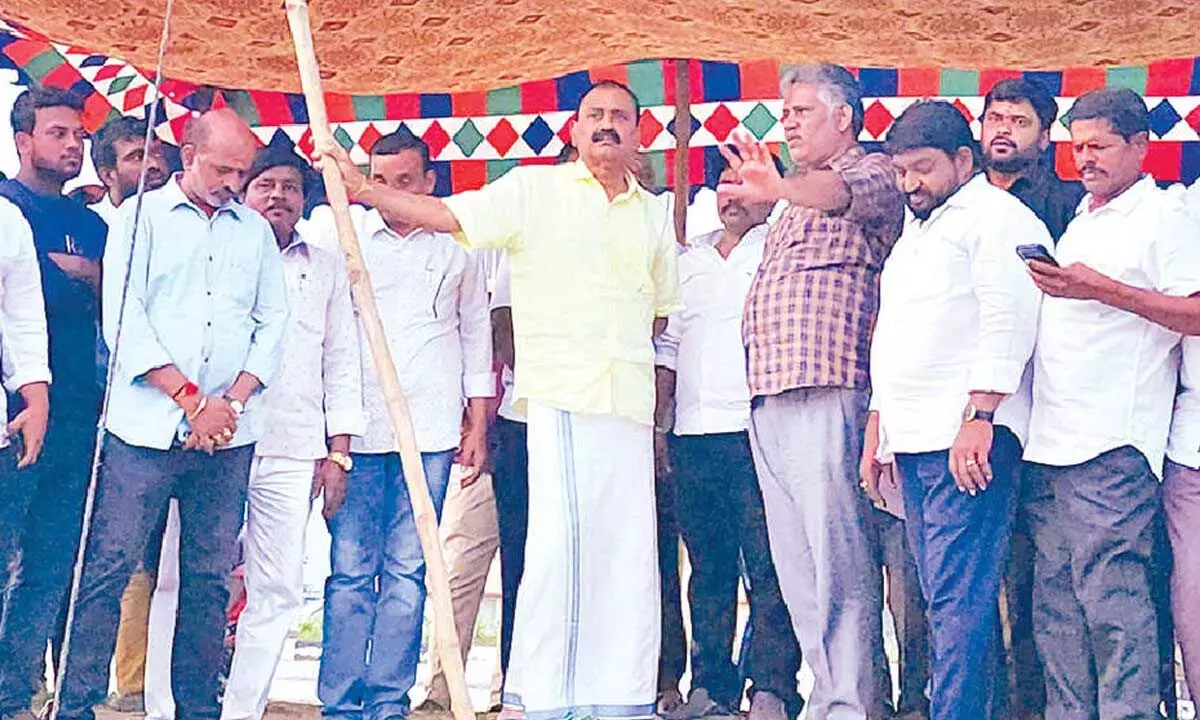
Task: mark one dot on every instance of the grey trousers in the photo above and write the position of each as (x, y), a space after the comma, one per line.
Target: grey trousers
(1181, 497)
(806, 446)
(1094, 526)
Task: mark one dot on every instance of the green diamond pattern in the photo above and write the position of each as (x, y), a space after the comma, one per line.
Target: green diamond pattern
(343, 138)
(468, 138)
(119, 84)
(760, 121)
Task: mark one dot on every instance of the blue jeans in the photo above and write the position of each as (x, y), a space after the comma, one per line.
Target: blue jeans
(375, 595)
(960, 544)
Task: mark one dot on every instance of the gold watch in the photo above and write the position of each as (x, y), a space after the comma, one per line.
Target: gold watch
(342, 460)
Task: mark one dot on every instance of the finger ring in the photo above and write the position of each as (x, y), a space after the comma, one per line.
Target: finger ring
(971, 463)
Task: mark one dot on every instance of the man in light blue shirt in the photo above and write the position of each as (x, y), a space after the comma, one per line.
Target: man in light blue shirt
(195, 335)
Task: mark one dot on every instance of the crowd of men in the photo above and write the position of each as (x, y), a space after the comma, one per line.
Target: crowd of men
(937, 368)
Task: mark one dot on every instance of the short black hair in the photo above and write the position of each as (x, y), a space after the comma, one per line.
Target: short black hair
(1025, 90)
(272, 157)
(715, 164)
(614, 85)
(104, 142)
(1123, 108)
(38, 97)
(400, 140)
(931, 124)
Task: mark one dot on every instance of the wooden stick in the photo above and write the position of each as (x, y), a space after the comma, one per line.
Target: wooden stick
(683, 140)
(360, 285)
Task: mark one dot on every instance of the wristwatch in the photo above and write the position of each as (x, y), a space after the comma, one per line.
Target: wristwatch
(973, 413)
(237, 405)
(342, 460)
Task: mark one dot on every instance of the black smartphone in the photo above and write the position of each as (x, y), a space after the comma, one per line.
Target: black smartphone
(1036, 253)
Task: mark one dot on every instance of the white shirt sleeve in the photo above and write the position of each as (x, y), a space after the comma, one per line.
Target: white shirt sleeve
(1008, 301)
(1184, 444)
(666, 345)
(341, 362)
(475, 331)
(1175, 260)
(23, 335)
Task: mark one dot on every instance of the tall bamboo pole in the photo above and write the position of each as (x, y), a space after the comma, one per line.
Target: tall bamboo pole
(360, 285)
(683, 140)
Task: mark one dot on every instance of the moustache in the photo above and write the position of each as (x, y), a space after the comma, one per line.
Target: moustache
(611, 135)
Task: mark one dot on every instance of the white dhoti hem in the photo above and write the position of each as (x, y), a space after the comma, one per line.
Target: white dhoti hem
(586, 633)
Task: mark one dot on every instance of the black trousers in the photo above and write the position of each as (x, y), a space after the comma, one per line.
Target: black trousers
(510, 482)
(135, 486)
(672, 655)
(721, 517)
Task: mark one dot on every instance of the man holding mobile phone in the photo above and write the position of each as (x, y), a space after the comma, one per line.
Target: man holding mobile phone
(1102, 403)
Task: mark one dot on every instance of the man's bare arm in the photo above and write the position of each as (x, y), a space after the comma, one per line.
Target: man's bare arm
(1179, 314)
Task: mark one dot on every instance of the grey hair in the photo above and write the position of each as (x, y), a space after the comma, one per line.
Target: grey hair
(835, 85)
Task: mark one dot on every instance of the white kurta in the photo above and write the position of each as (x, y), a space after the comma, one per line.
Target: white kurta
(591, 568)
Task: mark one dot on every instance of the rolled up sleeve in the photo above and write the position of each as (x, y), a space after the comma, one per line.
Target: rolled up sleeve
(666, 346)
(475, 332)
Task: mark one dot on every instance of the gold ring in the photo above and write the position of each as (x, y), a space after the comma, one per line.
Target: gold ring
(971, 463)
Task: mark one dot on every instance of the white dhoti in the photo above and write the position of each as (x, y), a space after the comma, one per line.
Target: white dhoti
(586, 634)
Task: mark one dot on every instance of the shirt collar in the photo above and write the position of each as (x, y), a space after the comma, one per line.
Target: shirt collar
(178, 198)
(578, 170)
(1125, 203)
(846, 158)
(298, 244)
(373, 224)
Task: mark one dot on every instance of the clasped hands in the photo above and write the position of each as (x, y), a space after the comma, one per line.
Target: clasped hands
(213, 424)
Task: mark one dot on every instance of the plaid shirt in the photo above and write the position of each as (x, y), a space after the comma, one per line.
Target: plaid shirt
(812, 305)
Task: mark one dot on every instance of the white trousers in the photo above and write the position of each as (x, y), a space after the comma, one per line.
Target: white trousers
(164, 605)
(278, 502)
(470, 539)
(587, 628)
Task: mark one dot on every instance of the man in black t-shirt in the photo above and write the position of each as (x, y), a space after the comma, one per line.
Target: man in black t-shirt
(69, 240)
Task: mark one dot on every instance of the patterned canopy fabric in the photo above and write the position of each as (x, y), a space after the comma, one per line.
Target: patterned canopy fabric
(385, 46)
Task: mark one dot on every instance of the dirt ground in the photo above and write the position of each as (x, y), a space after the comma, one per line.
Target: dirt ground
(289, 711)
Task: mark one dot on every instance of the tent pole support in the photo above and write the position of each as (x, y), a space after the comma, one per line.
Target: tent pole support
(437, 579)
(683, 140)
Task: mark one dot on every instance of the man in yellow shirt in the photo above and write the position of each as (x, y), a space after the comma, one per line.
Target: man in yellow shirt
(592, 258)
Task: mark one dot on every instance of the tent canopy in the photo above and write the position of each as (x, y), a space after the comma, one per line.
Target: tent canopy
(377, 46)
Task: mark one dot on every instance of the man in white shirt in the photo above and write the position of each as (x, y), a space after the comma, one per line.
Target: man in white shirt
(956, 328)
(1105, 373)
(308, 417)
(719, 505)
(25, 363)
(433, 303)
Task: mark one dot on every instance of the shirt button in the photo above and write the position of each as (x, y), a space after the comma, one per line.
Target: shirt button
(209, 323)
(208, 293)
(210, 258)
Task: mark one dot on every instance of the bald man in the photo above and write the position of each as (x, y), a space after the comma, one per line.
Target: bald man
(200, 331)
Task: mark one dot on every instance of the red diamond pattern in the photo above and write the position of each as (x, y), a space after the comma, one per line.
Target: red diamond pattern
(651, 128)
(877, 119)
(135, 98)
(565, 133)
(107, 71)
(721, 123)
(503, 137)
(369, 137)
(436, 138)
(305, 143)
(963, 109)
(1193, 119)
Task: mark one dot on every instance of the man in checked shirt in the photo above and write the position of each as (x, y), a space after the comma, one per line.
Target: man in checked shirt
(807, 330)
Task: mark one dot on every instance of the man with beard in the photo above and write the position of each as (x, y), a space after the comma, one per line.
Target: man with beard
(585, 241)
(201, 317)
(303, 448)
(117, 154)
(69, 240)
(719, 503)
(949, 358)
(1017, 117)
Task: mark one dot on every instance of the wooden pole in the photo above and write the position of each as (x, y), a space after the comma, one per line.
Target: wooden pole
(360, 285)
(683, 141)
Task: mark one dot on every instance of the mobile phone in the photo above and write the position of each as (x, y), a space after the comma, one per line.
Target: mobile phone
(1036, 253)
